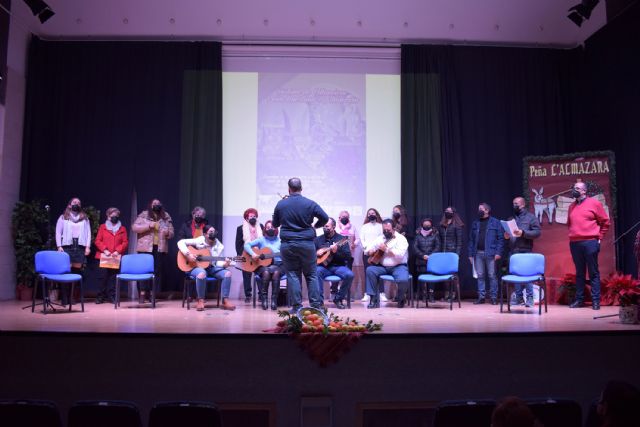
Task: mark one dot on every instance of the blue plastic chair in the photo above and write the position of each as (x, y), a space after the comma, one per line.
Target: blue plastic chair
(331, 279)
(189, 285)
(389, 278)
(441, 267)
(136, 267)
(525, 268)
(55, 267)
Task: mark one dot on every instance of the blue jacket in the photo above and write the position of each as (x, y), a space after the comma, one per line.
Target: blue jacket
(494, 240)
(295, 214)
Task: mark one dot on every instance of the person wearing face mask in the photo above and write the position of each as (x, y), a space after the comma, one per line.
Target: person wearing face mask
(194, 226)
(371, 229)
(450, 230)
(346, 228)
(339, 264)
(111, 239)
(219, 269)
(588, 223)
(426, 242)
(73, 236)
(394, 262)
(154, 228)
(522, 242)
(271, 273)
(248, 231)
(486, 242)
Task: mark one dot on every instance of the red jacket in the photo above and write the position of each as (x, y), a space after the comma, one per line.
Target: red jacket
(587, 220)
(111, 242)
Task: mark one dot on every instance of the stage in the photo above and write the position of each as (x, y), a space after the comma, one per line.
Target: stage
(169, 317)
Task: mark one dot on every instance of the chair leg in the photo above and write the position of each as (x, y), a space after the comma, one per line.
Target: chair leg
(81, 296)
(349, 297)
(544, 280)
(184, 291)
(410, 291)
(219, 283)
(117, 301)
(45, 295)
(33, 295)
(458, 291)
(501, 294)
(71, 296)
(189, 293)
(255, 291)
(508, 297)
(450, 294)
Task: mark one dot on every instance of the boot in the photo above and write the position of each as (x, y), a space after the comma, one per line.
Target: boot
(264, 303)
(374, 301)
(274, 296)
(200, 305)
(226, 305)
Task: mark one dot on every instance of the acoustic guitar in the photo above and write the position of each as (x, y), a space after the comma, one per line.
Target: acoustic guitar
(203, 259)
(325, 255)
(265, 259)
(377, 256)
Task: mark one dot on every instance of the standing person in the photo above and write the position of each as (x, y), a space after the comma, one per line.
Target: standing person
(294, 215)
(522, 242)
(220, 271)
(371, 229)
(271, 273)
(339, 263)
(346, 228)
(394, 247)
(111, 240)
(248, 231)
(154, 228)
(427, 242)
(401, 221)
(588, 223)
(195, 225)
(450, 231)
(485, 246)
(73, 236)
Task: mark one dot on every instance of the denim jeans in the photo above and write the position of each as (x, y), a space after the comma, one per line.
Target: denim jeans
(585, 257)
(486, 268)
(342, 272)
(218, 273)
(399, 272)
(299, 258)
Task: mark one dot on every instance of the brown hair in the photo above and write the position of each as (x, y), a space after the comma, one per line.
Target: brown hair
(66, 214)
(456, 220)
(378, 217)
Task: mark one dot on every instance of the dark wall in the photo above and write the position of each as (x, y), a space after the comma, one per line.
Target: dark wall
(4, 44)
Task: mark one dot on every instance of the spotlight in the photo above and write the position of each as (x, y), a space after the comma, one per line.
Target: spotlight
(582, 11)
(40, 9)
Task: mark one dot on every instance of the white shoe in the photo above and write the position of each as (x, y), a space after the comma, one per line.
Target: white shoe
(383, 297)
(365, 298)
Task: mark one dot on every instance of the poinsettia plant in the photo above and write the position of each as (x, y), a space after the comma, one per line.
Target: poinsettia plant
(619, 288)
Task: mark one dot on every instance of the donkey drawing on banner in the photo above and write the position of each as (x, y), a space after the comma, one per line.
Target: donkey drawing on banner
(542, 205)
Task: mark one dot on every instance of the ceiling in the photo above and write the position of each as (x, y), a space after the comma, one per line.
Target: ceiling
(356, 22)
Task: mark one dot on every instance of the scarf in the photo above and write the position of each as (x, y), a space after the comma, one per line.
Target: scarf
(249, 232)
(113, 227)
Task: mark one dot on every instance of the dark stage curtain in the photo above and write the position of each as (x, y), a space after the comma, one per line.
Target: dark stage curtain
(114, 121)
(477, 111)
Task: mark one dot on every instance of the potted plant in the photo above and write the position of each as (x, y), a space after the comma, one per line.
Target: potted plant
(623, 289)
(29, 231)
(567, 290)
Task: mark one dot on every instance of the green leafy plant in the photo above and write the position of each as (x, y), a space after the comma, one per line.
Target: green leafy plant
(28, 228)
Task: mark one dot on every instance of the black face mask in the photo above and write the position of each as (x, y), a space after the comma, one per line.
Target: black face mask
(344, 221)
(253, 221)
(198, 220)
(480, 214)
(575, 194)
(212, 236)
(156, 208)
(448, 215)
(387, 234)
(75, 208)
(396, 215)
(516, 209)
(426, 227)
(372, 218)
(114, 219)
(270, 232)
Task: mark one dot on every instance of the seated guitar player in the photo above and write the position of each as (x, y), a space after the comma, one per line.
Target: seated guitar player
(208, 240)
(270, 273)
(336, 247)
(387, 255)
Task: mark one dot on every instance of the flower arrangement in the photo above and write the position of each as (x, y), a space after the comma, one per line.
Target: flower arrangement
(622, 289)
(310, 320)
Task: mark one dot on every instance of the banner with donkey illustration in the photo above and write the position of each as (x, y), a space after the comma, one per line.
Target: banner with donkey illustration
(547, 186)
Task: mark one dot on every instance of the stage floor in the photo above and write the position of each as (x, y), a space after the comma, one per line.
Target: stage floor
(169, 317)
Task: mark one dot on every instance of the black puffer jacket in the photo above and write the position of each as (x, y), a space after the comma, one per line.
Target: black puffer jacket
(450, 238)
(425, 245)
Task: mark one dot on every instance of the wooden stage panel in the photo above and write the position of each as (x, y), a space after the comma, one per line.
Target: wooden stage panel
(169, 317)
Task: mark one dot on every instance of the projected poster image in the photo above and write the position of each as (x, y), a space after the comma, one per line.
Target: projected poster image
(312, 126)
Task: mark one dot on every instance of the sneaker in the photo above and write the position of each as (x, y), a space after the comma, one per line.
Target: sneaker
(529, 303)
(383, 297)
(365, 298)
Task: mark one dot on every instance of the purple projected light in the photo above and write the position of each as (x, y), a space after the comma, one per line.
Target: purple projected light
(312, 126)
